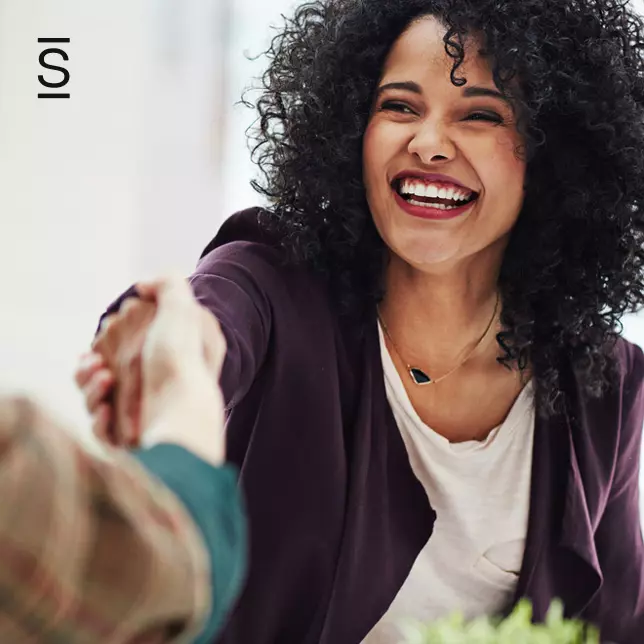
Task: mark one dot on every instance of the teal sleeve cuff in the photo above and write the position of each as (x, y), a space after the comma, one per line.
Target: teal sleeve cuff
(212, 496)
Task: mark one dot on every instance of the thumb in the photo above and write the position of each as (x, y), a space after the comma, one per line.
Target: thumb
(176, 307)
(173, 288)
(175, 332)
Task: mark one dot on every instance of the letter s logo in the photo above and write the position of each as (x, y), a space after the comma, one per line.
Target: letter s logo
(45, 64)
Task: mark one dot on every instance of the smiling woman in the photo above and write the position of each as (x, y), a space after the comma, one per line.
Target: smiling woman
(428, 397)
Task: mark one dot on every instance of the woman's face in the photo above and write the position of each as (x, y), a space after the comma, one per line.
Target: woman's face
(443, 180)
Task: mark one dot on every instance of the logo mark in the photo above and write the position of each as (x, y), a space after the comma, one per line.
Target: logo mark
(50, 51)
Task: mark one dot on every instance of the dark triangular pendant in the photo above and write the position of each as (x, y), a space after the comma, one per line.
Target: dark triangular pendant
(419, 376)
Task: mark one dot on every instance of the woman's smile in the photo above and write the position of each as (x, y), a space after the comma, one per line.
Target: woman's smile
(432, 196)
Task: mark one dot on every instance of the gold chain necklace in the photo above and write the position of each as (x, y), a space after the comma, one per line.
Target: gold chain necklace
(421, 377)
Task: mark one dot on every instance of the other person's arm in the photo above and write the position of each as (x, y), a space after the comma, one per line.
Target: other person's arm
(91, 549)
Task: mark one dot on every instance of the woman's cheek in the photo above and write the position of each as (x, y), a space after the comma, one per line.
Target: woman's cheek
(504, 165)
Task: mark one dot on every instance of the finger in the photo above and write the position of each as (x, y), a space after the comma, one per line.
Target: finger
(98, 388)
(150, 287)
(107, 322)
(174, 288)
(176, 326)
(148, 290)
(178, 312)
(88, 365)
(101, 420)
(128, 402)
(135, 441)
(103, 337)
(128, 306)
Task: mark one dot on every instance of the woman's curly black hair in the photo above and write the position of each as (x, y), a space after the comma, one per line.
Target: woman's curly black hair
(574, 262)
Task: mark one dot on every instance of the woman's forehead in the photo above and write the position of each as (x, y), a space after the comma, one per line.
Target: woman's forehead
(420, 52)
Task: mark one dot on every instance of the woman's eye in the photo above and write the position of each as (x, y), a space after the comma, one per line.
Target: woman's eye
(395, 106)
(491, 117)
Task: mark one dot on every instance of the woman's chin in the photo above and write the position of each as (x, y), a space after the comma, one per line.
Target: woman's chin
(428, 252)
(427, 257)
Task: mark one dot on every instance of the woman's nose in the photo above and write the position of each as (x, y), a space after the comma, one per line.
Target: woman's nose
(431, 144)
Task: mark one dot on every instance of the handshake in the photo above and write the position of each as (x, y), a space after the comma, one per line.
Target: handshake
(152, 375)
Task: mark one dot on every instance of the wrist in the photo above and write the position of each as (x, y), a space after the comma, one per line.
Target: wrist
(190, 416)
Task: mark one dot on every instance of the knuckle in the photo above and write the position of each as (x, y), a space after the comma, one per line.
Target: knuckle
(96, 389)
(98, 344)
(106, 333)
(108, 323)
(129, 306)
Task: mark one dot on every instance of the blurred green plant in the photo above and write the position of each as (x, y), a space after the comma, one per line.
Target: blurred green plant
(517, 628)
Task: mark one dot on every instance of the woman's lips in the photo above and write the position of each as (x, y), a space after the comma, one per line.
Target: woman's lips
(425, 212)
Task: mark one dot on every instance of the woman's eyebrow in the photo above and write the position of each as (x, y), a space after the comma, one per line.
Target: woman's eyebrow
(471, 91)
(409, 86)
(475, 91)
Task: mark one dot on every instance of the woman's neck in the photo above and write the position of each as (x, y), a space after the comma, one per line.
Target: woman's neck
(436, 316)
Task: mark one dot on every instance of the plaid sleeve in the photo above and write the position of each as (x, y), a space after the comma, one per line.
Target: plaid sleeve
(91, 549)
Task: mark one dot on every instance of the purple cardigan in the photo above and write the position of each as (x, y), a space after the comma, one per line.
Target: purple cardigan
(337, 517)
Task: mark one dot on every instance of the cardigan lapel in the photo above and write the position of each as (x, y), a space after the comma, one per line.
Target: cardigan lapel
(580, 573)
(560, 560)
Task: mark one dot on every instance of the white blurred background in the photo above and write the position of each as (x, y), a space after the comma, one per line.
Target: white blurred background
(130, 177)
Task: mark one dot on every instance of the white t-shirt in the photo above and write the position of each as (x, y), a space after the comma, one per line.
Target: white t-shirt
(480, 491)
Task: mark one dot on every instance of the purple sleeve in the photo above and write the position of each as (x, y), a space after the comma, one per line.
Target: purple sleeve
(227, 283)
(620, 546)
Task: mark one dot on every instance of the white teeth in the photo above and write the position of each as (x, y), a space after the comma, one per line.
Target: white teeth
(431, 191)
(422, 189)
